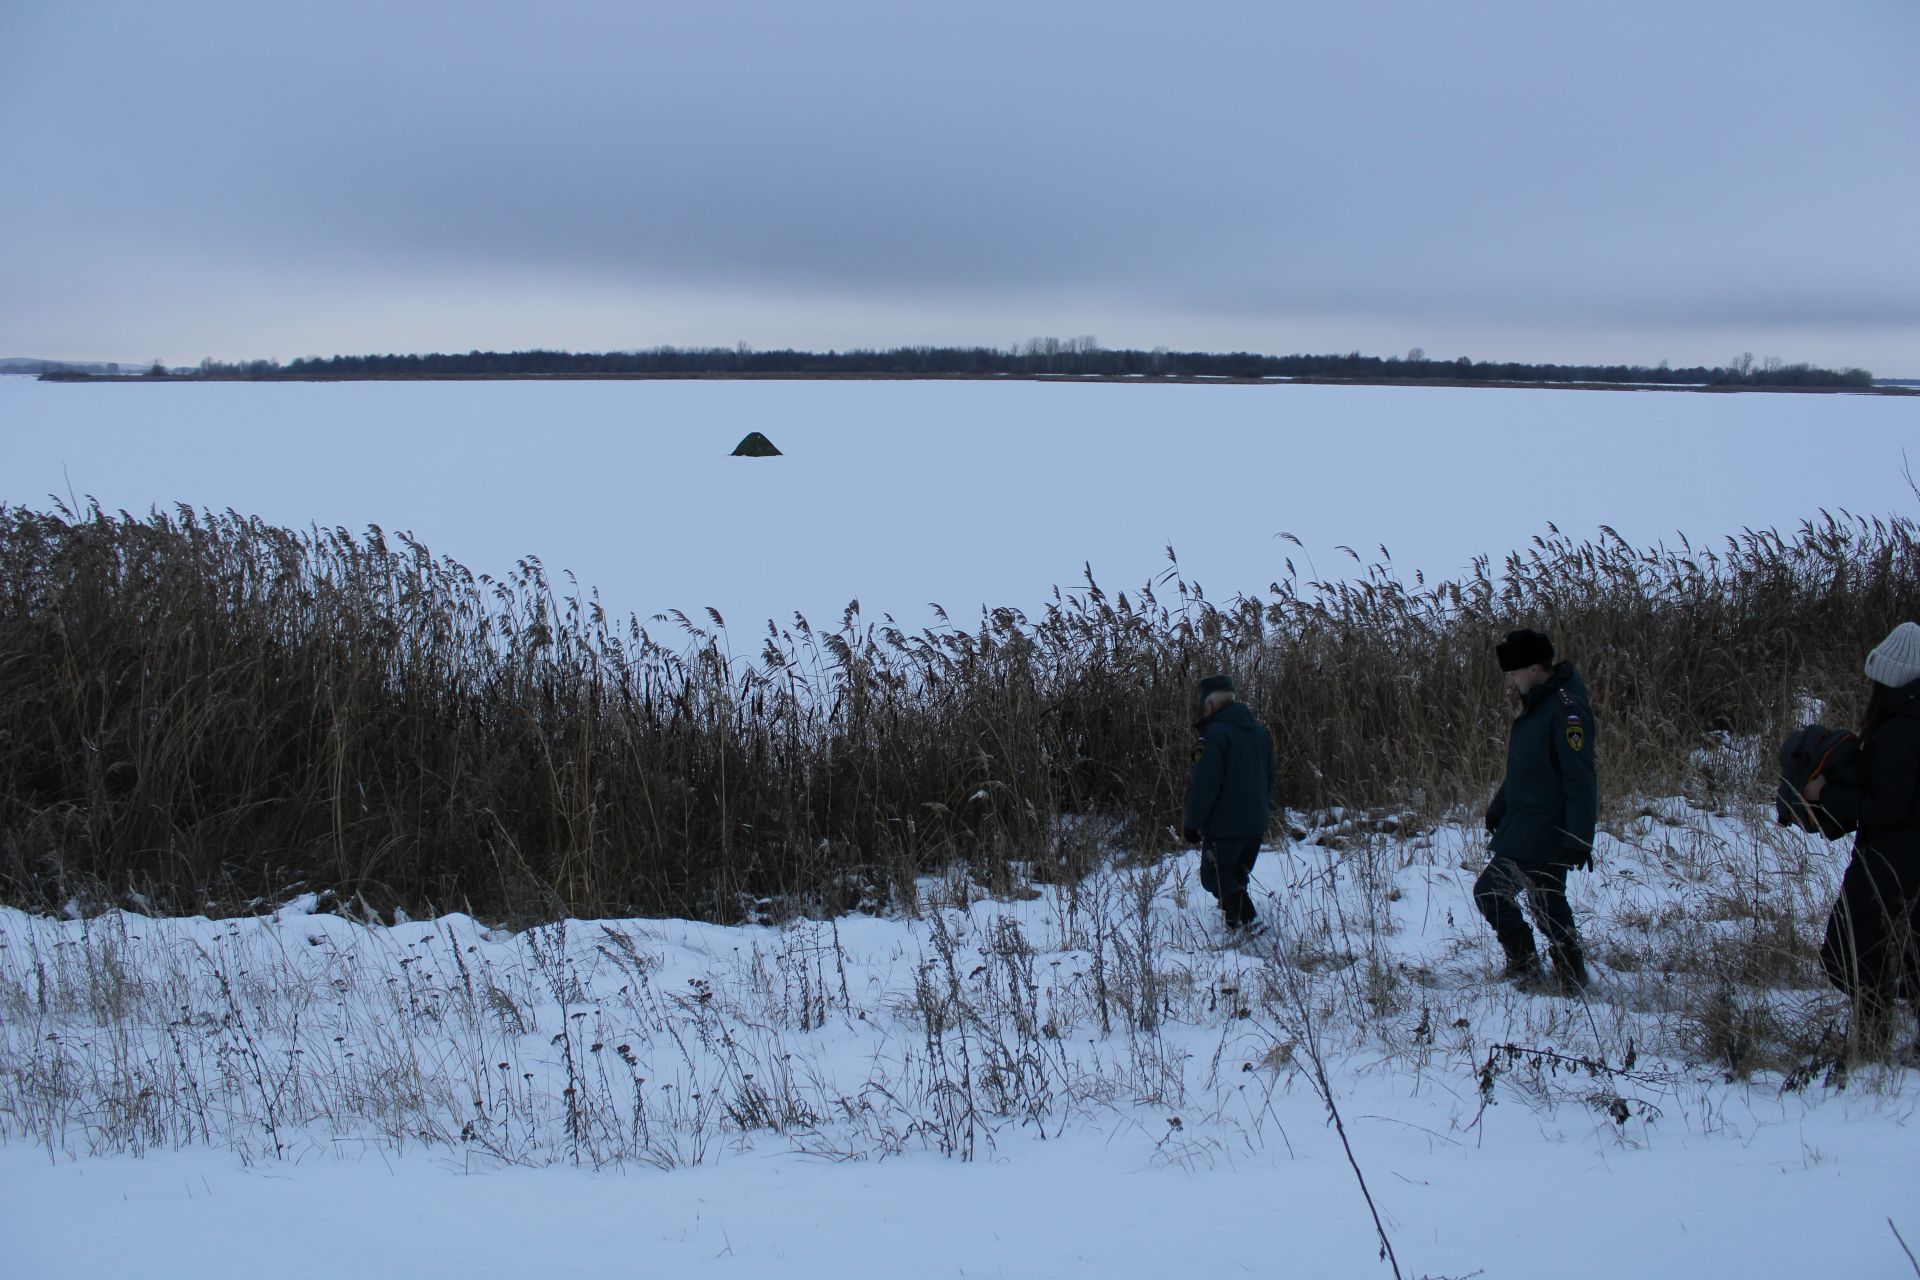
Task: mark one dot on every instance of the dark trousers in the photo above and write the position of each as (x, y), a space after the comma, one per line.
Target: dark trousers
(1872, 947)
(1225, 867)
(1497, 893)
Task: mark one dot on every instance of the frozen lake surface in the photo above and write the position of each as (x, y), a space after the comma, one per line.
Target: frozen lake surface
(962, 493)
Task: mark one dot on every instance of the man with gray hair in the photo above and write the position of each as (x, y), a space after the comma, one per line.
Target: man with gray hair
(1228, 797)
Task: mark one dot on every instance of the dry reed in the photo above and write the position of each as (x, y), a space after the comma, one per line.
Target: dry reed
(202, 712)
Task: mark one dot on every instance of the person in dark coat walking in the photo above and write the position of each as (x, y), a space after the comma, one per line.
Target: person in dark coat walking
(1872, 946)
(1542, 818)
(1229, 794)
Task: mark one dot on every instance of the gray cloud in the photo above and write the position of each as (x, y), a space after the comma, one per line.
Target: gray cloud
(1229, 167)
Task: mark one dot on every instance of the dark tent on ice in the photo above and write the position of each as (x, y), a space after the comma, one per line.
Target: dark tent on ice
(755, 446)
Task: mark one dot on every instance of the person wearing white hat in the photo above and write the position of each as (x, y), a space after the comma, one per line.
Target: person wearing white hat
(1872, 946)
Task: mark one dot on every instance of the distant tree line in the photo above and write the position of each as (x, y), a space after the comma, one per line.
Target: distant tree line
(1082, 356)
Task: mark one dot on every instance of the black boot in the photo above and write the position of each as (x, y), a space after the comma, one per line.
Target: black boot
(1570, 976)
(1523, 962)
(1236, 905)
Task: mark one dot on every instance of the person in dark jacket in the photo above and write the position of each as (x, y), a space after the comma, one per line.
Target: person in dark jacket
(1228, 797)
(1872, 946)
(1542, 818)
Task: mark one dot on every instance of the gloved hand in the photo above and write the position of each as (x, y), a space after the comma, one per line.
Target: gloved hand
(1190, 835)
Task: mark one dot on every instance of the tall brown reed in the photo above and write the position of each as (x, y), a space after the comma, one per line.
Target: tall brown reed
(209, 711)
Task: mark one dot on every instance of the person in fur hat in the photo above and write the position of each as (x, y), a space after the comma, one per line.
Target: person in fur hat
(1542, 819)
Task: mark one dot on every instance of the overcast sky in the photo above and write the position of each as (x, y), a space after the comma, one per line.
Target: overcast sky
(1628, 181)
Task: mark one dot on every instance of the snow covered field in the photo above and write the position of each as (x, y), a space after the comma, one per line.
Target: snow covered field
(964, 494)
(1137, 1099)
(1086, 1082)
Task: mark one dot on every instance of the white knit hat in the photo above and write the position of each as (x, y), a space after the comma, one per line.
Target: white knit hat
(1896, 661)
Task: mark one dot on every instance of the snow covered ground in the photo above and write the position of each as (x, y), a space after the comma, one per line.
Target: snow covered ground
(967, 494)
(1083, 1082)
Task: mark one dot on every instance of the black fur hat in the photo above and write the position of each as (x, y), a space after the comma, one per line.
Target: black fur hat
(1523, 649)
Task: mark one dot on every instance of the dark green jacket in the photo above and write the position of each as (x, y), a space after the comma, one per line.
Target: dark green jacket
(1232, 781)
(1545, 811)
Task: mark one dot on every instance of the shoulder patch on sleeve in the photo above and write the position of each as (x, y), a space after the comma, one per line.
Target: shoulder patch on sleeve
(1576, 734)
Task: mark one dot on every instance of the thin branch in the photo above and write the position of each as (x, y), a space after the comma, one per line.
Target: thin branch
(1324, 1088)
(1903, 1245)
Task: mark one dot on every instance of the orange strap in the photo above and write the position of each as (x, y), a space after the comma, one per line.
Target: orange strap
(1828, 754)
